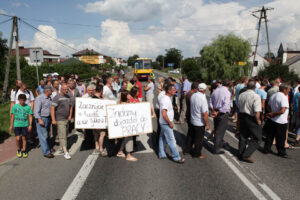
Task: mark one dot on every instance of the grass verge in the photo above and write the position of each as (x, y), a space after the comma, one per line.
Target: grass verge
(4, 121)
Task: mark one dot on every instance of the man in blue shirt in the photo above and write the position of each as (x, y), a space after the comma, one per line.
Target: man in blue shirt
(263, 94)
(185, 88)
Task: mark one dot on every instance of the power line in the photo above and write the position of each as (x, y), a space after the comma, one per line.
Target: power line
(5, 21)
(62, 43)
(156, 29)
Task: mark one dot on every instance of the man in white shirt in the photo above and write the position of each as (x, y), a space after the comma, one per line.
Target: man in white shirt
(278, 120)
(199, 120)
(250, 123)
(23, 90)
(157, 111)
(107, 90)
(166, 123)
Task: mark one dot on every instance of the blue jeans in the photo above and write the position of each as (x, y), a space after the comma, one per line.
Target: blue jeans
(167, 136)
(43, 133)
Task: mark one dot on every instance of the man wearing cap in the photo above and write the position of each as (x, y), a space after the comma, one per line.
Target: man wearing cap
(250, 123)
(199, 120)
(42, 116)
(220, 104)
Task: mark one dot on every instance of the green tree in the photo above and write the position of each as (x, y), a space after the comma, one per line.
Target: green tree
(111, 61)
(3, 52)
(192, 69)
(272, 55)
(275, 70)
(173, 55)
(160, 60)
(131, 60)
(220, 58)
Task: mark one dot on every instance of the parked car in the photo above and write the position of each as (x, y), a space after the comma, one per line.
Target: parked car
(175, 71)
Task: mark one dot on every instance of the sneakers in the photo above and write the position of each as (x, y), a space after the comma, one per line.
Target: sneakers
(19, 154)
(25, 154)
(67, 156)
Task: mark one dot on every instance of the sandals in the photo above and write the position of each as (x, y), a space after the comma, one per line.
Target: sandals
(290, 147)
(121, 155)
(132, 159)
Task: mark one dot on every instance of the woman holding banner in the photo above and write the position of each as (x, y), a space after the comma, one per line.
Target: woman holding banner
(126, 143)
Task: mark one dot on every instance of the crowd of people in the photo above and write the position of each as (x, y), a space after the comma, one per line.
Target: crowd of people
(258, 107)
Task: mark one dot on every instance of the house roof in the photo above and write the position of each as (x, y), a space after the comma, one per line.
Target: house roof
(288, 47)
(257, 54)
(25, 52)
(292, 60)
(86, 52)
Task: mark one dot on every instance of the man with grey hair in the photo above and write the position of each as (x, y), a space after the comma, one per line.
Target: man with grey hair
(185, 88)
(250, 123)
(42, 106)
(276, 125)
(61, 114)
(90, 91)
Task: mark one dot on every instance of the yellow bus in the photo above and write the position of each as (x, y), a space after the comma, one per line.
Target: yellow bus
(142, 68)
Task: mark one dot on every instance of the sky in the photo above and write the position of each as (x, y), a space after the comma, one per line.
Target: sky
(122, 28)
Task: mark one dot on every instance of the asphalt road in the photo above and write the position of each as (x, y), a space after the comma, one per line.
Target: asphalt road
(91, 177)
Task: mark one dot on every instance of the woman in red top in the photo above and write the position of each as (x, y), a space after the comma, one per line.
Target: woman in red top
(134, 95)
(139, 86)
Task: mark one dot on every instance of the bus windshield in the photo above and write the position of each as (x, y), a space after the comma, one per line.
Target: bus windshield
(147, 64)
(138, 64)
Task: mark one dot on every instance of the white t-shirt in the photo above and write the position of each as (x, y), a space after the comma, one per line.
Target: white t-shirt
(28, 93)
(278, 101)
(166, 104)
(198, 107)
(151, 88)
(257, 85)
(160, 95)
(108, 94)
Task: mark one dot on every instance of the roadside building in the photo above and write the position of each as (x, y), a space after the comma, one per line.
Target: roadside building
(259, 64)
(294, 64)
(287, 51)
(44, 56)
(91, 57)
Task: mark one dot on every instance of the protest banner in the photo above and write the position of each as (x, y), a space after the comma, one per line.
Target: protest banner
(131, 119)
(91, 113)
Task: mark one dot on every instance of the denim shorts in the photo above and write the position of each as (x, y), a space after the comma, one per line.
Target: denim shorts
(21, 131)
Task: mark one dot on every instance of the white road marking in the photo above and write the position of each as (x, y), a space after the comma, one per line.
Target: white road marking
(269, 191)
(243, 178)
(76, 185)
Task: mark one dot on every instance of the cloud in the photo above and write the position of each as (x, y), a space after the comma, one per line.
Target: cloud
(184, 24)
(16, 4)
(40, 40)
(26, 5)
(3, 11)
(127, 10)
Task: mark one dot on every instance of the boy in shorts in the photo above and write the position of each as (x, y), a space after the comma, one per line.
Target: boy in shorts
(21, 121)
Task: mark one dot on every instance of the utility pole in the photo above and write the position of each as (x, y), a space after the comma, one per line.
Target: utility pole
(263, 15)
(14, 34)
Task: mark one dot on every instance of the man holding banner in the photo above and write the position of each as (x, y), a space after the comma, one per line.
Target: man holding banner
(166, 123)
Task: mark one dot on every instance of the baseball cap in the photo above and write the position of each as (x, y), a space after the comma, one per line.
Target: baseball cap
(202, 86)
